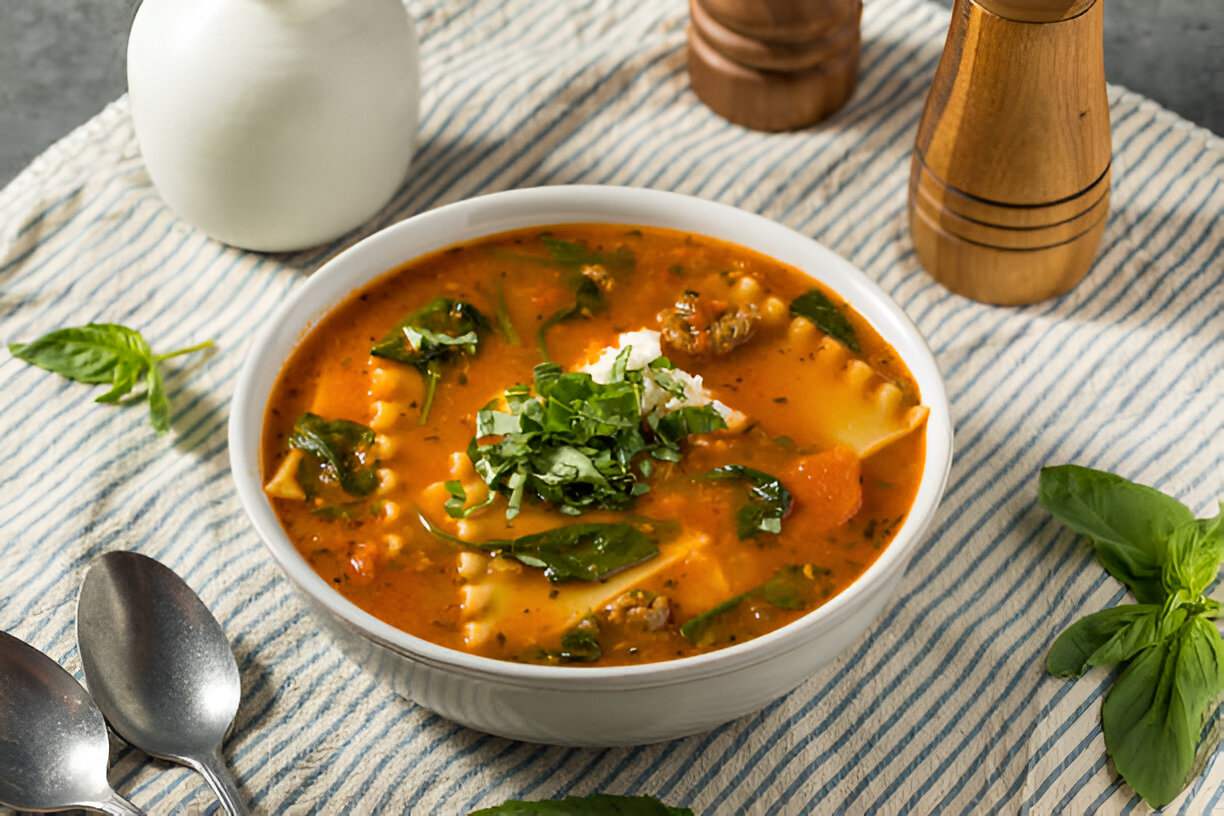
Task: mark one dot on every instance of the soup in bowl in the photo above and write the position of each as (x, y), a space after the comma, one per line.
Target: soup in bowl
(591, 465)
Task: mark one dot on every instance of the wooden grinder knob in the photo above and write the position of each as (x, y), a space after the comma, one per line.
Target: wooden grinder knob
(1009, 184)
(774, 64)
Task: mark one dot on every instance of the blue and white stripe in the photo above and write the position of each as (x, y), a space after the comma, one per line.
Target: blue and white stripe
(942, 707)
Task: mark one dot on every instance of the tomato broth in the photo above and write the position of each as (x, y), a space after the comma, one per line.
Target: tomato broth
(756, 458)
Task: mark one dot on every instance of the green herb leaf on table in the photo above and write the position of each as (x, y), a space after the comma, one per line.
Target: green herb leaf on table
(576, 552)
(429, 338)
(1171, 652)
(338, 455)
(597, 804)
(106, 353)
(826, 316)
(1129, 524)
(768, 500)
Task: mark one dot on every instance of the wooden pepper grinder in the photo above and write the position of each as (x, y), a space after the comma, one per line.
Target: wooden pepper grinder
(774, 64)
(1009, 184)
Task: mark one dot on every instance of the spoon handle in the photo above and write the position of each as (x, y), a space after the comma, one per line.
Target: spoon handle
(212, 768)
(113, 804)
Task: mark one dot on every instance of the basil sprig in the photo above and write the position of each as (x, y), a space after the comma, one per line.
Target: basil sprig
(1171, 653)
(826, 316)
(106, 354)
(433, 335)
(768, 500)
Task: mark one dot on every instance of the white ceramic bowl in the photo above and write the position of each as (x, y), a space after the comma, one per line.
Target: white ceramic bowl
(572, 705)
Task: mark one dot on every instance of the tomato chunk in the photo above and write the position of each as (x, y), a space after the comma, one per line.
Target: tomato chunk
(826, 488)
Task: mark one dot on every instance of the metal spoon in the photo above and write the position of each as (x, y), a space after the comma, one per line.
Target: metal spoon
(159, 665)
(53, 743)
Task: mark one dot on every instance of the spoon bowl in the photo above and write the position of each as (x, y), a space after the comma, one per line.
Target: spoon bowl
(53, 743)
(159, 665)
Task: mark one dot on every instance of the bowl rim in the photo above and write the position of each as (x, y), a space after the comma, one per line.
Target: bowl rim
(489, 214)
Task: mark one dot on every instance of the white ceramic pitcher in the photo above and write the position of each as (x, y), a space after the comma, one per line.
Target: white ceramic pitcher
(274, 125)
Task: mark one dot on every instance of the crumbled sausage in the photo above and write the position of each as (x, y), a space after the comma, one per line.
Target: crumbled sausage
(697, 328)
(642, 609)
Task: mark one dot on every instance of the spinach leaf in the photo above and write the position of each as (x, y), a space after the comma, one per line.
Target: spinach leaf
(597, 804)
(106, 353)
(503, 316)
(768, 501)
(433, 335)
(792, 587)
(579, 645)
(1129, 524)
(588, 296)
(1152, 716)
(826, 316)
(577, 552)
(338, 454)
(575, 441)
(574, 255)
(1107, 637)
(588, 300)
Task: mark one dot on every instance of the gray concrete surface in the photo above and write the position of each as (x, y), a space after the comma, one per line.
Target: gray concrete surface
(61, 61)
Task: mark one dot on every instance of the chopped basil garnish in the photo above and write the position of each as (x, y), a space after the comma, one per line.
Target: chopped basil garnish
(573, 443)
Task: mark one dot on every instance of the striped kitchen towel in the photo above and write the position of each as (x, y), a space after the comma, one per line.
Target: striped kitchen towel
(942, 707)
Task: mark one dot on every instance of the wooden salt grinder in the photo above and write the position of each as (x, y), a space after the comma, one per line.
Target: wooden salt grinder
(1009, 183)
(774, 64)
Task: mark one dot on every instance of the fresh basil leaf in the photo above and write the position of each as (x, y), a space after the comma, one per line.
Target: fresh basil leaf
(826, 316)
(430, 337)
(792, 587)
(1129, 524)
(338, 453)
(597, 804)
(1104, 638)
(1195, 550)
(674, 426)
(768, 500)
(88, 354)
(107, 353)
(159, 403)
(1152, 716)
